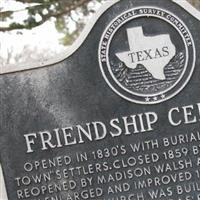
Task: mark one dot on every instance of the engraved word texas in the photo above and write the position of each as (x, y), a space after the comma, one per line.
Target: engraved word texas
(153, 52)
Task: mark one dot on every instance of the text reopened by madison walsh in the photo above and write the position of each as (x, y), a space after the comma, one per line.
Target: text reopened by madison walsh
(159, 166)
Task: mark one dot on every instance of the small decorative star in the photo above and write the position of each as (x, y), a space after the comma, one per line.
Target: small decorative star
(163, 96)
(155, 98)
(147, 99)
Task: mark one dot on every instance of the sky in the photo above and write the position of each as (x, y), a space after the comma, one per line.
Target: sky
(15, 41)
(36, 38)
(44, 38)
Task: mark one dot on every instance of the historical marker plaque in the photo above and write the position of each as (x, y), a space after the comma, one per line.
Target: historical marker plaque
(119, 119)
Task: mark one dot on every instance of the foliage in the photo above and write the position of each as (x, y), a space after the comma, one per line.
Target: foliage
(62, 11)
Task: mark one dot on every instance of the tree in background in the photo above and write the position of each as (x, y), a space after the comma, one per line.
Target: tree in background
(40, 11)
(69, 17)
(63, 11)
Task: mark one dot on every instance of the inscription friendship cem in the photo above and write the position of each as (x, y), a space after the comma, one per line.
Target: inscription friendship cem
(119, 119)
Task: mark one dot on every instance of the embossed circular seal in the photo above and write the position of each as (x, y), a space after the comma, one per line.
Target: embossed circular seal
(147, 55)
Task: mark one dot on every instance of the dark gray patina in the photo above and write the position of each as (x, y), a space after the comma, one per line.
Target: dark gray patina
(143, 93)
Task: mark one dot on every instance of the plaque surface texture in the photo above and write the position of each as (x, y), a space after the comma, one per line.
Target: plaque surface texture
(116, 119)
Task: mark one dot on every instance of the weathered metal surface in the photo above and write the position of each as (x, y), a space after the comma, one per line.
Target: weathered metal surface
(119, 118)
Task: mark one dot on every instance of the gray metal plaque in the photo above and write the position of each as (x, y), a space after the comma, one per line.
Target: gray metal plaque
(116, 119)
